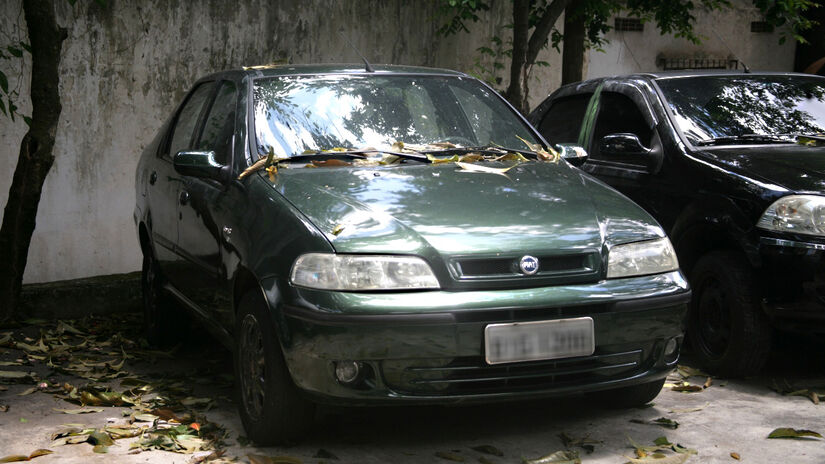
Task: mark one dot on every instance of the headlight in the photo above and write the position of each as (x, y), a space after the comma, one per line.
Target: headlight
(801, 214)
(641, 258)
(362, 272)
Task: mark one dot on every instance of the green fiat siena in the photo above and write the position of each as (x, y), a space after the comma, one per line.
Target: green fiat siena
(396, 235)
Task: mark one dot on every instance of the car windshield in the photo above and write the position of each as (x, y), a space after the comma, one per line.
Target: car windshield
(299, 114)
(746, 109)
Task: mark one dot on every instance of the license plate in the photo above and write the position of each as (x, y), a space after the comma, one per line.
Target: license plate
(530, 341)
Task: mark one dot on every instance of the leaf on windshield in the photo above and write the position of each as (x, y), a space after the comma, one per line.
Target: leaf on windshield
(330, 162)
(436, 160)
(471, 158)
(544, 155)
(511, 157)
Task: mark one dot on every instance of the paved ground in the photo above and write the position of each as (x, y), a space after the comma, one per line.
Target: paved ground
(733, 416)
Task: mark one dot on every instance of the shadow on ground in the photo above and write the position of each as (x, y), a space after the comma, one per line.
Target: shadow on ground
(193, 384)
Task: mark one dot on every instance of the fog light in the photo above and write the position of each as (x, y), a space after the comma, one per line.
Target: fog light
(347, 371)
(671, 346)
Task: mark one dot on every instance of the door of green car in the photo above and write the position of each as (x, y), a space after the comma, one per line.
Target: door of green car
(204, 223)
(165, 182)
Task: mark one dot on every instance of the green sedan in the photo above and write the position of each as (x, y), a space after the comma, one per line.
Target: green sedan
(396, 235)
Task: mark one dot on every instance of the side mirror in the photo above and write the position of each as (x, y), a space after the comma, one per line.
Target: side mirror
(572, 153)
(622, 144)
(199, 164)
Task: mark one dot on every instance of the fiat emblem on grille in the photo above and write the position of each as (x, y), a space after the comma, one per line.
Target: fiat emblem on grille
(529, 265)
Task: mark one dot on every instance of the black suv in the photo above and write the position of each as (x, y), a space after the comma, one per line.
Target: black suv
(731, 165)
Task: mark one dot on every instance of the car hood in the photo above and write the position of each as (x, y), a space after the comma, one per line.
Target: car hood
(795, 167)
(535, 208)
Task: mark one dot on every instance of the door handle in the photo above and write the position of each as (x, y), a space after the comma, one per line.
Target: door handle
(184, 197)
(153, 177)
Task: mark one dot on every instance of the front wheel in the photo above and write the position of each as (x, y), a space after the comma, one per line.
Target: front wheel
(271, 407)
(727, 330)
(161, 317)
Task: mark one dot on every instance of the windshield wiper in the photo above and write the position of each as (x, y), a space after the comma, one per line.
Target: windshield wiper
(486, 149)
(732, 139)
(360, 154)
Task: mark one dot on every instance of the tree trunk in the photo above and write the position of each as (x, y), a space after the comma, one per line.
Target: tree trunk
(572, 60)
(526, 51)
(518, 65)
(35, 158)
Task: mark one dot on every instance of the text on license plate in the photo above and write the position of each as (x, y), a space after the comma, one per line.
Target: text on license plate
(530, 341)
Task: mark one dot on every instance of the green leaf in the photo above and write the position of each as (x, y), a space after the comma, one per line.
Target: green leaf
(26, 46)
(786, 432)
(15, 51)
(4, 83)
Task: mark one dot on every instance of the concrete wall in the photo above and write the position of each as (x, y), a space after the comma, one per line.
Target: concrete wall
(125, 66)
(630, 52)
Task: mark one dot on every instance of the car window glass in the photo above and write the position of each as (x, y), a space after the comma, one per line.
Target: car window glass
(618, 114)
(220, 124)
(188, 118)
(564, 118)
(296, 114)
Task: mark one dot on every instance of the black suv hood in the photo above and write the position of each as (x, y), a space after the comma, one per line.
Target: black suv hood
(796, 167)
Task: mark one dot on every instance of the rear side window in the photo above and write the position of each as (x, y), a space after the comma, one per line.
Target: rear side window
(563, 120)
(188, 118)
(220, 124)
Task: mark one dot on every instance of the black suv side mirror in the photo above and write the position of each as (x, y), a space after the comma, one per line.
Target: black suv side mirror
(199, 164)
(622, 144)
(572, 153)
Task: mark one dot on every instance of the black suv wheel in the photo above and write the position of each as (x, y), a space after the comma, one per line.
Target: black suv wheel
(727, 330)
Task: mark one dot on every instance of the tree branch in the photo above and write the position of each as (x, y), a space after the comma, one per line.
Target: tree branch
(539, 36)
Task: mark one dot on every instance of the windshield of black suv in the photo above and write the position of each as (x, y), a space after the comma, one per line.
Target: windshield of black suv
(712, 110)
(295, 115)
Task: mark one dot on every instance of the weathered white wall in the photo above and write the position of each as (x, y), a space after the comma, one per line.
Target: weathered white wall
(125, 66)
(630, 52)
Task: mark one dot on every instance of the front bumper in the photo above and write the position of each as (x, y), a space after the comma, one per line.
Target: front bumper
(427, 347)
(792, 276)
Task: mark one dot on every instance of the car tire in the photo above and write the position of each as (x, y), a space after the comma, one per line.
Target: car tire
(161, 317)
(272, 409)
(727, 330)
(630, 397)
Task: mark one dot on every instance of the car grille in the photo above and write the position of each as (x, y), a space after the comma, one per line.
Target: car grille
(464, 268)
(472, 375)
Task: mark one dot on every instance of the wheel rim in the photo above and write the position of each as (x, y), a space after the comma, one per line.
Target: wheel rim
(252, 367)
(713, 318)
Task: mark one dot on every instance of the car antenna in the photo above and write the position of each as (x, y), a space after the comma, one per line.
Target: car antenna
(366, 63)
(747, 70)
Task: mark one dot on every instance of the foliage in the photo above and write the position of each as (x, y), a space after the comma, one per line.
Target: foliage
(675, 17)
(8, 96)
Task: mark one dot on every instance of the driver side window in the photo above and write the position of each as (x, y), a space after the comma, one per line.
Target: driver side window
(618, 114)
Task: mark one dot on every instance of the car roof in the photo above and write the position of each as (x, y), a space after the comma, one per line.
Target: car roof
(655, 75)
(279, 69)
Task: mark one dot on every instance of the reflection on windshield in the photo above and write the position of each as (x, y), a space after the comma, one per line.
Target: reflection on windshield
(710, 107)
(295, 114)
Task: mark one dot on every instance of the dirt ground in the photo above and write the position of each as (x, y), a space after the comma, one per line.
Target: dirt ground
(133, 392)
